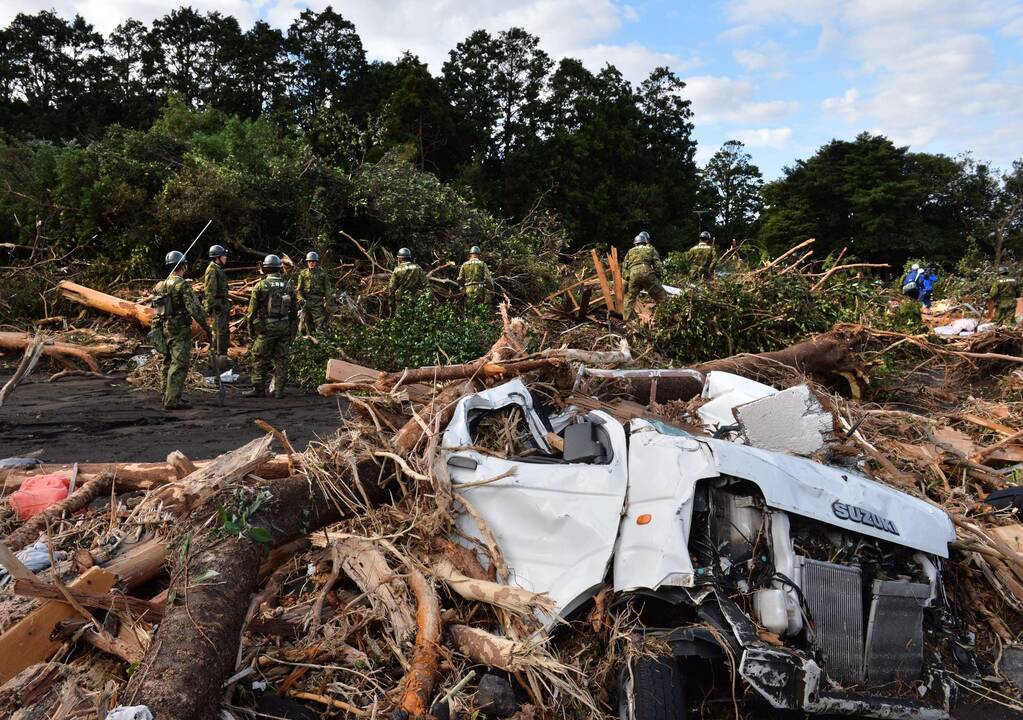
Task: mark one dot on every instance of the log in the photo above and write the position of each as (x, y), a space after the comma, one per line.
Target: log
(196, 646)
(74, 502)
(483, 368)
(385, 590)
(486, 649)
(827, 358)
(18, 342)
(140, 314)
(130, 476)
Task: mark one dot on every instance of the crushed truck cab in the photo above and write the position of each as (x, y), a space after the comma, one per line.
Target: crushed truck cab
(821, 585)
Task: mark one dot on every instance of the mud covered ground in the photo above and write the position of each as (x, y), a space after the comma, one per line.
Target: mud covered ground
(99, 420)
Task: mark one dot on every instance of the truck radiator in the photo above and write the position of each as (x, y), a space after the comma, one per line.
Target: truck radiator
(895, 634)
(834, 596)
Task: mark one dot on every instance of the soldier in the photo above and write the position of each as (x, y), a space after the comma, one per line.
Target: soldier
(216, 302)
(273, 321)
(642, 271)
(475, 279)
(313, 293)
(699, 259)
(407, 280)
(176, 306)
(1003, 297)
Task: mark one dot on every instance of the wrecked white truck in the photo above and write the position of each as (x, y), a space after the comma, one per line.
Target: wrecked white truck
(819, 588)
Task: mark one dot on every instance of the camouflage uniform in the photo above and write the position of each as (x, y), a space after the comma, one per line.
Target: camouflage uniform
(218, 306)
(313, 292)
(407, 280)
(1003, 295)
(176, 306)
(273, 321)
(699, 260)
(476, 281)
(641, 271)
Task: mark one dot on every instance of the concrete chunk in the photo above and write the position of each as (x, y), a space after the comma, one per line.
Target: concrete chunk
(791, 421)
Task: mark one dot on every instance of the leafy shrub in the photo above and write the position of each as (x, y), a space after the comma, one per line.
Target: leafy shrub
(733, 314)
(422, 331)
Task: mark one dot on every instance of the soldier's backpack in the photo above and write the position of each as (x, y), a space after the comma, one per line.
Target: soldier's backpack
(163, 302)
(278, 301)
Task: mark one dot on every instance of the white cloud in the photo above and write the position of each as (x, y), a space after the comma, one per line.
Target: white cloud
(634, 61)
(722, 99)
(105, 15)
(775, 138)
(845, 106)
(750, 59)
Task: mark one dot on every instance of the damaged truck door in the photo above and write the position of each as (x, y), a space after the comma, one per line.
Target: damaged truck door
(556, 512)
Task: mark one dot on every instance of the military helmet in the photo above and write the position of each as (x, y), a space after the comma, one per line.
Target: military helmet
(312, 256)
(405, 254)
(642, 239)
(1002, 270)
(475, 250)
(916, 266)
(175, 258)
(217, 251)
(272, 262)
(705, 235)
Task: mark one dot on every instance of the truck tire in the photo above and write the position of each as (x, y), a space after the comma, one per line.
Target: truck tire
(657, 688)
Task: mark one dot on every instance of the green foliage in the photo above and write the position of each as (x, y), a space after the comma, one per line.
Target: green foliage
(422, 331)
(239, 509)
(730, 315)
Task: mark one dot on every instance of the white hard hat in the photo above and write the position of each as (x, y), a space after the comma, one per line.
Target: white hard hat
(916, 266)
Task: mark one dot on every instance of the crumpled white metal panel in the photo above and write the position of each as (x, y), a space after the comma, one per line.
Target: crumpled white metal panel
(556, 523)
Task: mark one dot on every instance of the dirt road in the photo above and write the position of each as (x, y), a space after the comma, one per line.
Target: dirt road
(94, 420)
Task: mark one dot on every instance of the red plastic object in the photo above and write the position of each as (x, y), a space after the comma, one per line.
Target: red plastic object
(38, 493)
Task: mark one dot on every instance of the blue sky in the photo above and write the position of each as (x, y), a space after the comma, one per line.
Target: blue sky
(784, 76)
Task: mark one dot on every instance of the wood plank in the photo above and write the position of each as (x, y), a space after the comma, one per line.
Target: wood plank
(619, 281)
(28, 641)
(605, 288)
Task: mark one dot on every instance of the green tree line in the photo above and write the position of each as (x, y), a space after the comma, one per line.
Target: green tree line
(121, 145)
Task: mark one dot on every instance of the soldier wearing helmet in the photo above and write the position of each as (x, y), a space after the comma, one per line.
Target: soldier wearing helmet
(475, 278)
(216, 301)
(1003, 297)
(273, 320)
(700, 258)
(407, 279)
(313, 292)
(175, 306)
(641, 271)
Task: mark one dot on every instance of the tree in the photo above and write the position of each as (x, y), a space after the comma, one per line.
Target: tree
(132, 65)
(177, 42)
(734, 183)
(263, 70)
(328, 59)
(468, 82)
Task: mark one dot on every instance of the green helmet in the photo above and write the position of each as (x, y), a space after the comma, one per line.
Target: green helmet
(312, 257)
(475, 250)
(175, 258)
(272, 262)
(1002, 270)
(217, 251)
(404, 254)
(642, 239)
(705, 236)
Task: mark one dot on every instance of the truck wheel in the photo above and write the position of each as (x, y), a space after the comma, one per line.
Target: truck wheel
(656, 688)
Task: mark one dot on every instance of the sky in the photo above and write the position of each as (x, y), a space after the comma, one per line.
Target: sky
(782, 76)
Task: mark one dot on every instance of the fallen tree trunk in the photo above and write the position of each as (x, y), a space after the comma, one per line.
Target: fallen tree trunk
(130, 476)
(826, 358)
(195, 649)
(437, 414)
(18, 342)
(415, 699)
(136, 312)
(481, 368)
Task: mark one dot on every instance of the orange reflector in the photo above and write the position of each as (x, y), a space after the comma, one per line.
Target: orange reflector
(644, 519)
